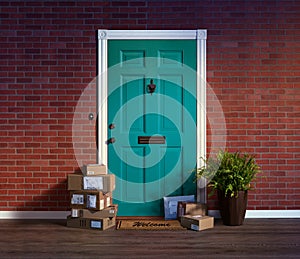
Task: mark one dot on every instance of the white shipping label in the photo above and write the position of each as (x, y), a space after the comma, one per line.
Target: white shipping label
(77, 199)
(173, 207)
(107, 201)
(194, 227)
(93, 183)
(96, 224)
(91, 201)
(90, 172)
(101, 204)
(197, 216)
(74, 213)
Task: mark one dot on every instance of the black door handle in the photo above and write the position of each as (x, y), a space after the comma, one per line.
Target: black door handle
(111, 141)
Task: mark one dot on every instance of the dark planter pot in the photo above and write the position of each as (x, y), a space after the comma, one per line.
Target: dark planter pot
(233, 209)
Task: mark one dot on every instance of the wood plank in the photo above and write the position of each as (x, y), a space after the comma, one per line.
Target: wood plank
(275, 238)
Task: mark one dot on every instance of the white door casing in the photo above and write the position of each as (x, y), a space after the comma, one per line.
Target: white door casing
(102, 84)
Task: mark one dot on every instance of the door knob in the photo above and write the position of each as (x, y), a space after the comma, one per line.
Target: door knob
(111, 140)
(111, 126)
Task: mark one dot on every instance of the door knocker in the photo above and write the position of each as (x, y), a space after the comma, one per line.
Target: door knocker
(151, 87)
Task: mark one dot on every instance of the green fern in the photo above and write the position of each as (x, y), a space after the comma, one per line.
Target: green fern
(229, 172)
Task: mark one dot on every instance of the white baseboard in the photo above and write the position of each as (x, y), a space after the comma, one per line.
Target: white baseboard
(273, 214)
(263, 214)
(214, 213)
(34, 214)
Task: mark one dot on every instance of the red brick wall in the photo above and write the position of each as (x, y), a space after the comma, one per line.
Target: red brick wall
(48, 57)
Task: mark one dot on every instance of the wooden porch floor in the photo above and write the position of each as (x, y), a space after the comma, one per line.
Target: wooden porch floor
(257, 238)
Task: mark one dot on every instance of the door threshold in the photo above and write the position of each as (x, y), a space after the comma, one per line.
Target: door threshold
(140, 218)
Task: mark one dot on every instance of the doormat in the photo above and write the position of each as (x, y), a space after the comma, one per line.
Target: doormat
(149, 225)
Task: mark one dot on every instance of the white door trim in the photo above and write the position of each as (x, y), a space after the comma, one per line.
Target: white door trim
(254, 214)
(200, 36)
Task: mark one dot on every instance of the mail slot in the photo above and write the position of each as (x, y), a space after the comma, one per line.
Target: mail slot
(151, 139)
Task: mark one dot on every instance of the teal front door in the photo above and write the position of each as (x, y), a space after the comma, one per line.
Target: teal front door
(151, 122)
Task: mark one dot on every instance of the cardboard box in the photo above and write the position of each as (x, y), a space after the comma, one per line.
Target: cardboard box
(75, 182)
(191, 208)
(171, 204)
(94, 200)
(94, 169)
(105, 183)
(108, 212)
(98, 224)
(197, 222)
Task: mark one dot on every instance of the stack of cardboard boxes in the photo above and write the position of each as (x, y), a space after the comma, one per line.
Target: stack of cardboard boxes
(191, 214)
(194, 216)
(91, 198)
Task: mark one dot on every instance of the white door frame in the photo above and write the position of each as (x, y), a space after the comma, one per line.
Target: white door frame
(200, 36)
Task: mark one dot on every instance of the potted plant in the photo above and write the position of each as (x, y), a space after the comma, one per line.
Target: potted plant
(230, 174)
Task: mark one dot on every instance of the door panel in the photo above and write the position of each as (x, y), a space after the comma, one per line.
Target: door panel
(132, 174)
(145, 173)
(166, 89)
(130, 89)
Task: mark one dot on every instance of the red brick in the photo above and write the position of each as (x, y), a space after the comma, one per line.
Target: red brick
(253, 71)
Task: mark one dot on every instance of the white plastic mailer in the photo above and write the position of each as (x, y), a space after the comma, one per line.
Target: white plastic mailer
(171, 203)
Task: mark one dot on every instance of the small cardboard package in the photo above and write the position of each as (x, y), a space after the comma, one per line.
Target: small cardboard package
(191, 208)
(171, 204)
(94, 200)
(197, 222)
(98, 224)
(108, 212)
(75, 182)
(105, 183)
(94, 169)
